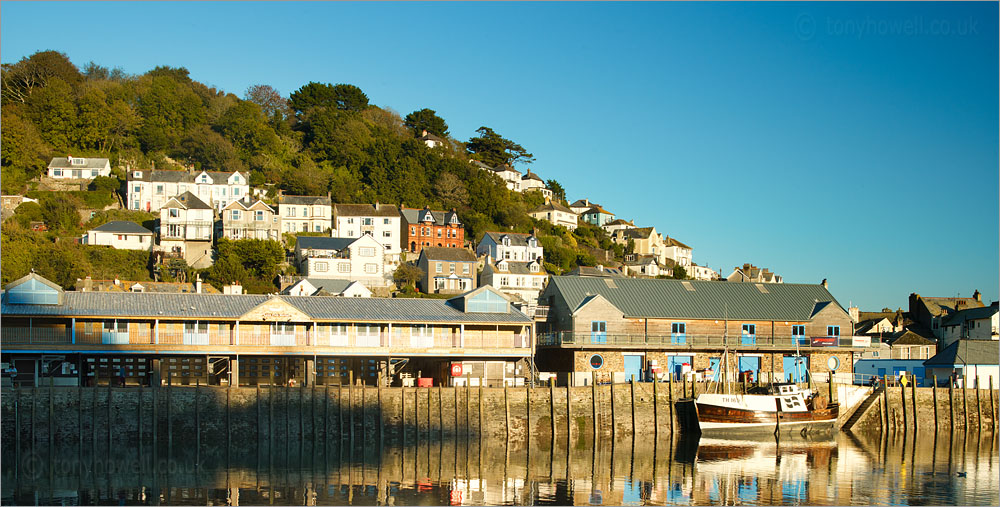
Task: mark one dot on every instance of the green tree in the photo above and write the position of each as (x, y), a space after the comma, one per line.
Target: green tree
(407, 275)
(52, 109)
(169, 109)
(344, 97)
(272, 104)
(245, 126)
(493, 149)
(22, 79)
(426, 119)
(23, 153)
(207, 148)
(680, 273)
(558, 192)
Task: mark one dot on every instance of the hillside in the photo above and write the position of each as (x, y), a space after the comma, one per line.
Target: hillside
(321, 139)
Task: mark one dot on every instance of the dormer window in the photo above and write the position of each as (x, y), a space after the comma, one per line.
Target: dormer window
(78, 161)
(137, 174)
(506, 241)
(533, 268)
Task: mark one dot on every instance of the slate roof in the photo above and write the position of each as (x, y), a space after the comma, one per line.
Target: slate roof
(656, 298)
(304, 200)
(967, 352)
(596, 208)
(640, 260)
(552, 206)
(91, 163)
(122, 227)
(218, 177)
(937, 306)
(516, 268)
(231, 306)
(532, 176)
(480, 165)
(668, 241)
(961, 316)
(436, 253)
(583, 203)
(590, 271)
(505, 168)
(620, 221)
(322, 243)
(636, 232)
(909, 337)
(412, 216)
(189, 201)
(365, 210)
(516, 238)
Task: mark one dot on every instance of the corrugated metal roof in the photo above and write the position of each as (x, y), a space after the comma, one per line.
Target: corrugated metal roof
(231, 306)
(655, 298)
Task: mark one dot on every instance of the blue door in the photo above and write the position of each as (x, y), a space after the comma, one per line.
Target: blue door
(749, 336)
(598, 331)
(633, 367)
(678, 332)
(751, 364)
(713, 363)
(918, 375)
(795, 368)
(675, 365)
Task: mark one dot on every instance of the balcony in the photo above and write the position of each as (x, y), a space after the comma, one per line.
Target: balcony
(689, 341)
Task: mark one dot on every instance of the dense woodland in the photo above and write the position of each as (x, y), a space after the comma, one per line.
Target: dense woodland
(320, 138)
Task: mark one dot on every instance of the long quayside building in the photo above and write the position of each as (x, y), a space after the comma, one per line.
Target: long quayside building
(93, 338)
(624, 327)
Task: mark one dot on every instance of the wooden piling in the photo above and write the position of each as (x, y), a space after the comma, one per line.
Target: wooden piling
(110, 425)
(656, 412)
(79, 417)
(527, 414)
(138, 422)
(885, 403)
(902, 402)
(670, 402)
(416, 416)
(593, 403)
(552, 407)
(17, 426)
(993, 413)
(506, 412)
(170, 418)
(270, 424)
(454, 390)
(156, 420)
(402, 417)
(364, 413)
(979, 412)
(934, 398)
(428, 421)
(468, 406)
(632, 389)
(197, 415)
(350, 403)
(913, 392)
(482, 380)
(381, 418)
(569, 417)
(614, 427)
(684, 384)
(302, 419)
(951, 405)
(259, 421)
(965, 400)
(229, 419)
(31, 422)
(441, 413)
(52, 403)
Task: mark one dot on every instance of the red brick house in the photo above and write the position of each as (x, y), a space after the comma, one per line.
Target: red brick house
(425, 227)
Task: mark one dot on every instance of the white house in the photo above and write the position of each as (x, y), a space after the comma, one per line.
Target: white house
(531, 181)
(520, 280)
(359, 259)
(70, 167)
(510, 176)
(150, 190)
(186, 226)
(972, 362)
(581, 205)
(617, 225)
(254, 221)
(120, 234)
(431, 140)
(641, 265)
(510, 246)
(971, 323)
(556, 214)
(328, 287)
(702, 272)
(380, 221)
(302, 213)
(677, 251)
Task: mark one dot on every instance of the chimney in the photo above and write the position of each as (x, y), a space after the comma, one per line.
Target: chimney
(854, 312)
(376, 205)
(423, 132)
(117, 281)
(88, 284)
(977, 296)
(600, 267)
(197, 284)
(824, 284)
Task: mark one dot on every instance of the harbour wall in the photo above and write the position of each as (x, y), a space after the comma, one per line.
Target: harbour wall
(928, 408)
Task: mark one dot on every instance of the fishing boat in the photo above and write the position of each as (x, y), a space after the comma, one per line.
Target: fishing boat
(778, 407)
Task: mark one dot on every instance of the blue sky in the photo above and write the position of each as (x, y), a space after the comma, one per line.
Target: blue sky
(856, 142)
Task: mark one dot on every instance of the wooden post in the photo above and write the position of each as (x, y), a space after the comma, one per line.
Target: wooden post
(79, 417)
(552, 407)
(965, 399)
(694, 387)
(506, 411)
(468, 406)
(170, 418)
(402, 416)
(951, 404)
(197, 415)
(454, 390)
(656, 413)
(993, 413)
(52, 404)
(569, 417)
(934, 393)
(902, 402)
(979, 412)
(302, 419)
(441, 412)
(270, 424)
(527, 414)
(482, 380)
(138, 422)
(259, 420)
(17, 426)
(632, 388)
(428, 421)
(614, 421)
(381, 418)
(416, 416)
(350, 403)
(593, 403)
(229, 419)
(670, 401)
(913, 393)
(156, 420)
(364, 413)
(110, 425)
(684, 379)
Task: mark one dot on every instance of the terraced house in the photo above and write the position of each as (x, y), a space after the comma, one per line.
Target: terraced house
(150, 190)
(635, 326)
(92, 338)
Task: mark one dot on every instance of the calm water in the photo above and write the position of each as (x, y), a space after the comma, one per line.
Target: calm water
(926, 469)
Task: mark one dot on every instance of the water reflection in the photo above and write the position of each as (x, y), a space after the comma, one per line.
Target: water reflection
(908, 469)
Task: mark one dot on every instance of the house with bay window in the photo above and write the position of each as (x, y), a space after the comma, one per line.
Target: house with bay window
(509, 246)
(446, 270)
(303, 213)
(380, 221)
(253, 221)
(420, 228)
(519, 280)
(87, 338)
(186, 227)
(353, 259)
(640, 326)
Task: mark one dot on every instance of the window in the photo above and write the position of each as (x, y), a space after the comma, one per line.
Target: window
(291, 212)
(57, 172)
(236, 192)
(322, 266)
(421, 335)
(451, 267)
(678, 332)
(439, 268)
(350, 221)
(385, 221)
(121, 238)
(159, 190)
(258, 216)
(386, 234)
(439, 233)
(318, 228)
(413, 230)
(344, 267)
(366, 221)
(371, 267)
(799, 334)
(79, 161)
(503, 281)
(137, 188)
(174, 212)
(598, 331)
(236, 214)
(749, 335)
(367, 251)
(305, 211)
(465, 269)
(833, 331)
